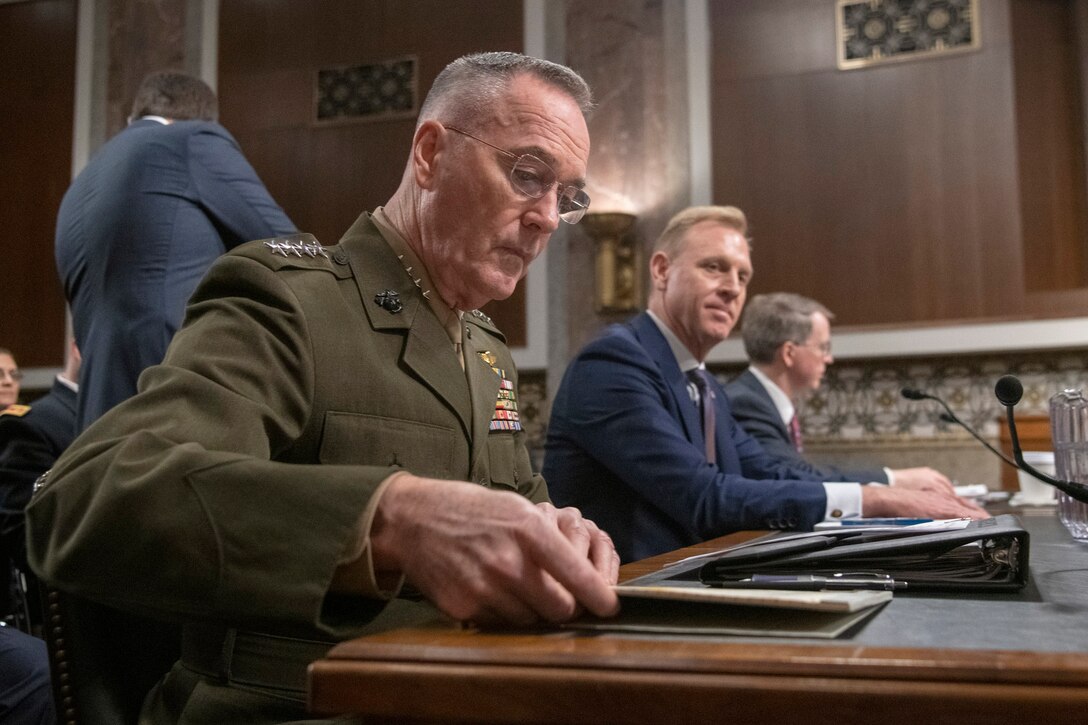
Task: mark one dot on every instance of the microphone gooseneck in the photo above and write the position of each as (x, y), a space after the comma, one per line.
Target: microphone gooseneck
(1009, 390)
(948, 415)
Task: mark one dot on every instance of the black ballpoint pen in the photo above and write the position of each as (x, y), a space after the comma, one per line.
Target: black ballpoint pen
(812, 582)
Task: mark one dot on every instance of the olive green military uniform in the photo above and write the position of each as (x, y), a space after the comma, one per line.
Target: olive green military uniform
(228, 490)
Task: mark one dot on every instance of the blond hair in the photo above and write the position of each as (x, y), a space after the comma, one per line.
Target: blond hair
(672, 238)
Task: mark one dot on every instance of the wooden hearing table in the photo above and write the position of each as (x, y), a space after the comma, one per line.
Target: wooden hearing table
(963, 659)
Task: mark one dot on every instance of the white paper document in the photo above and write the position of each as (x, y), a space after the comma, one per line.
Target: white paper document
(706, 611)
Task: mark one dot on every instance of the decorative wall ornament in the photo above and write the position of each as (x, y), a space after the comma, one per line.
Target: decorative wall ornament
(861, 401)
(368, 92)
(618, 262)
(881, 31)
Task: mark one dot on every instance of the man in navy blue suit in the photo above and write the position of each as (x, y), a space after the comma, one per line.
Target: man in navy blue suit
(140, 226)
(788, 341)
(626, 438)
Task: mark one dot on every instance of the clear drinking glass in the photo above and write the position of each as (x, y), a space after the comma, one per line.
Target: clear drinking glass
(1069, 431)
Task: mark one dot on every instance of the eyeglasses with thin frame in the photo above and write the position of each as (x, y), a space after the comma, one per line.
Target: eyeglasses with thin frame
(533, 178)
(824, 348)
(15, 374)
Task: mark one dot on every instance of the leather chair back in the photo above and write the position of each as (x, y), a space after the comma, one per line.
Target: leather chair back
(103, 661)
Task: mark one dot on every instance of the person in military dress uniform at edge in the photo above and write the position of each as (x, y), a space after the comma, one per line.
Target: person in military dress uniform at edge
(25, 692)
(323, 432)
(11, 379)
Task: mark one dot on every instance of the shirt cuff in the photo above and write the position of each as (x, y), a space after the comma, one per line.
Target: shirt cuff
(355, 571)
(890, 474)
(843, 501)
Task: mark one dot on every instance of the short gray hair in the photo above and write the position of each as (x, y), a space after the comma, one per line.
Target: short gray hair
(466, 89)
(671, 239)
(773, 319)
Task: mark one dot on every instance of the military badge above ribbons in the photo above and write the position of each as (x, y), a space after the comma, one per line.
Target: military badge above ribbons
(506, 415)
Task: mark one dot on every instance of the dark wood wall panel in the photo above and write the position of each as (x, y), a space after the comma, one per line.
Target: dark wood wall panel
(144, 37)
(1050, 135)
(37, 53)
(326, 175)
(891, 193)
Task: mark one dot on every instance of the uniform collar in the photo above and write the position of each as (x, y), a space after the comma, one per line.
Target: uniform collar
(447, 315)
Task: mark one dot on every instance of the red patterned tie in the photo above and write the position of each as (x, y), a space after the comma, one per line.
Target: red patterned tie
(795, 434)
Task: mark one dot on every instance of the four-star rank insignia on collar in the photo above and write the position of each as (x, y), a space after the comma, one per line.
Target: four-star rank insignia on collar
(506, 415)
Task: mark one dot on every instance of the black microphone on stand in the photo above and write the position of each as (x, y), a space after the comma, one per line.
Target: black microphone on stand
(1009, 390)
(948, 415)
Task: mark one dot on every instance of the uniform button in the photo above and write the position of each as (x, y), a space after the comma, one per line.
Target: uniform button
(340, 256)
(836, 514)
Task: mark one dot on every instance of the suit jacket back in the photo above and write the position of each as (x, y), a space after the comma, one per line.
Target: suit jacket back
(136, 231)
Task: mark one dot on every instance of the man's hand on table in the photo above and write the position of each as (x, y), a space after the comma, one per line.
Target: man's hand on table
(896, 501)
(922, 478)
(493, 557)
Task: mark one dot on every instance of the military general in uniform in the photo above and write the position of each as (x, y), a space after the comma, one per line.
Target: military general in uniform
(332, 426)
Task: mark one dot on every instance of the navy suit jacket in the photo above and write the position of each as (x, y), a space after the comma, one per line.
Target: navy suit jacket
(754, 409)
(625, 445)
(136, 232)
(30, 442)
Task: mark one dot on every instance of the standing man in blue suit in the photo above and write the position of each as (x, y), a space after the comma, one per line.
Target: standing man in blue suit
(140, 226)
(788, 341)
(626, 441)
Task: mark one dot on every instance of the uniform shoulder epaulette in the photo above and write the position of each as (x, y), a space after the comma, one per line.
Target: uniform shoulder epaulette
(16, 410)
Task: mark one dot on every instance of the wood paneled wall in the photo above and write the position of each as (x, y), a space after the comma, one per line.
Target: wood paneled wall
(943, 189)
(37, 53)
(325, 176)
(935, 190)
(1050, 144)
(144, 37)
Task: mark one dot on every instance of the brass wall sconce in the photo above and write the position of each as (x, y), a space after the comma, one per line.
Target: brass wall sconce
(618, 272)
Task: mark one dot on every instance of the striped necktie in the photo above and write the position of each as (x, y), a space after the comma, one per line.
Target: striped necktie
(795, 434)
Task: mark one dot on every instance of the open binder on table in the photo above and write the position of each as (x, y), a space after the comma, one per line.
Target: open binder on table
(988, 555)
